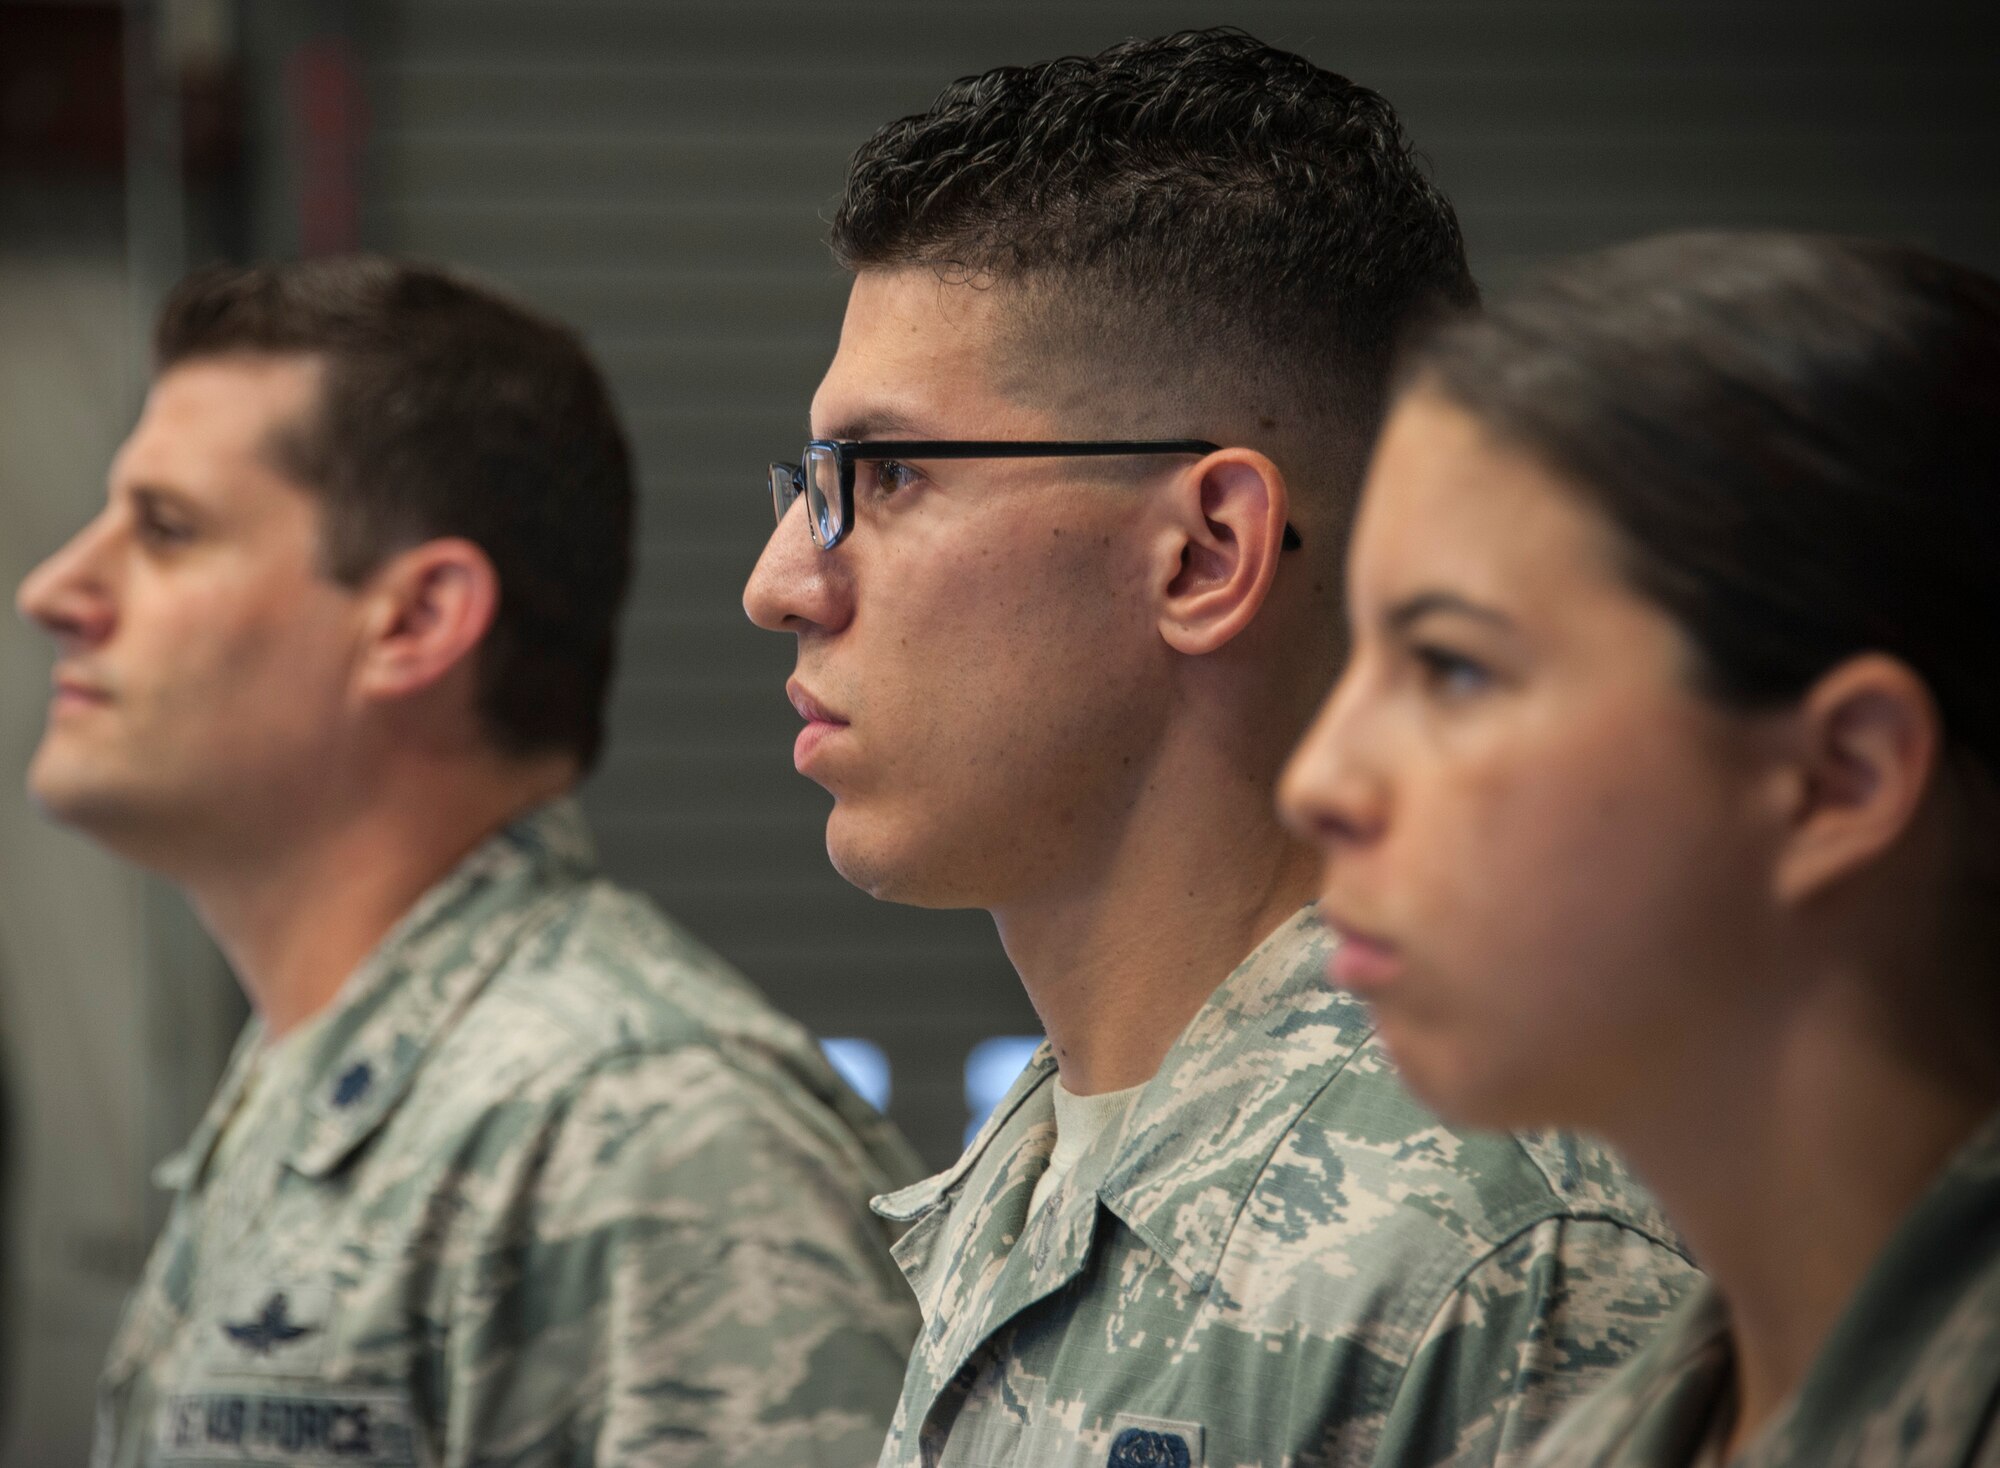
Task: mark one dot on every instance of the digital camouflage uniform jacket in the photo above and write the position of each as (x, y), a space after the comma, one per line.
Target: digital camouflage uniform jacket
(1909, 1378)
(553, 1186)
(1287, 1262)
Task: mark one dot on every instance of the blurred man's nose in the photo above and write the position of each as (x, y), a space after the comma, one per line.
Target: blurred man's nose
(68, 595)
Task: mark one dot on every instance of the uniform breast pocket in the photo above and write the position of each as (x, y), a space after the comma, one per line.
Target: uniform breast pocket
(267, 1380)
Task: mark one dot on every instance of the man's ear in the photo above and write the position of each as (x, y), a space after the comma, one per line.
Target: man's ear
(1868, 744)
(430, 607)
(1229, 515)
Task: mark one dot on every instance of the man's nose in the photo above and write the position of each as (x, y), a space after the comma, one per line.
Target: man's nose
(795, 585)
(68, 595)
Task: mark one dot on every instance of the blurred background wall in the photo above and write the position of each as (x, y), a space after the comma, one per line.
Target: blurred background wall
(659, 175)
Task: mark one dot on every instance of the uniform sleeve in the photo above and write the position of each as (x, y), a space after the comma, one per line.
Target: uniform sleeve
(682, 1271)
(1535, 1326)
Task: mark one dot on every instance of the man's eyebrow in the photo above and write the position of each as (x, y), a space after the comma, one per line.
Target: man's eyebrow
(147, 492)
(1412, 609)
(881, 423)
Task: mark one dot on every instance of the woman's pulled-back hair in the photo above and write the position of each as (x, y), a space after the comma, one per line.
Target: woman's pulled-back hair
(1796, 439)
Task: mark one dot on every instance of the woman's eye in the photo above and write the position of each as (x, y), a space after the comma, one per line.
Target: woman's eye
(1450, 674)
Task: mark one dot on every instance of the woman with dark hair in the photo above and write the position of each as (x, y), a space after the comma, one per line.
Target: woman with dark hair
(1659, 801)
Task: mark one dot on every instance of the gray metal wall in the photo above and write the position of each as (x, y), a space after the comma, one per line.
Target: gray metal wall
(657, 173)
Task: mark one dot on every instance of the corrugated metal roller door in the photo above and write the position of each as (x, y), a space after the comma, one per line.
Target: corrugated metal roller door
(657, 174)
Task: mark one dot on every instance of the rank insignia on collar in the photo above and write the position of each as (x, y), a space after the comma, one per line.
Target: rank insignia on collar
(272, 1328)
(353, 1083)
(1141, 1447)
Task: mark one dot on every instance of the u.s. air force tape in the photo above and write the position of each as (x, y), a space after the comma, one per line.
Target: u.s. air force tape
(285, 1429)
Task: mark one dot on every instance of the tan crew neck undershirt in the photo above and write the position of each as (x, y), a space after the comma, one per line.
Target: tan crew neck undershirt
(1080, 1121)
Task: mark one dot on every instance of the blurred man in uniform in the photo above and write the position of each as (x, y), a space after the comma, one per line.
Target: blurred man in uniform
(1065, 584)
(506, 1169)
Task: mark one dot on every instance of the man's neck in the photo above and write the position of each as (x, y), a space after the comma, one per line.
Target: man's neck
(302, 916)
(1790, 1166)
(1118, 964)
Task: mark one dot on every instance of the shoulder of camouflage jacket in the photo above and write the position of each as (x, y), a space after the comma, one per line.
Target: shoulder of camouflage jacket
(1280, 1127)
(1372, 1209)
(605, 982)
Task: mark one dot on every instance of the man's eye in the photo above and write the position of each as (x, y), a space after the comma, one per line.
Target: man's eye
(1449, 674)
(886, 476)
(159, 530)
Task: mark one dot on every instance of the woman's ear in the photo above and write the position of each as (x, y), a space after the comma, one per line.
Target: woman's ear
(1869, 738)
(1230, 514)
(430, 608)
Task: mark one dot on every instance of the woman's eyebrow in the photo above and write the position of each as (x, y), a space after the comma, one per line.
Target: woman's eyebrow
(1423, 604)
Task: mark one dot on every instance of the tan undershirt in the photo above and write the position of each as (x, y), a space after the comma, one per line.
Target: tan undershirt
(1080, 1121)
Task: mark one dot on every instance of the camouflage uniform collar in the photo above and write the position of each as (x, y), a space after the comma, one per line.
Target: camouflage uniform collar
(1179, 1169)
(1253, 1059)
(391, 1010)
(175, 1171)
(1918, 1345)
(919, 1200)
(1248, 1065)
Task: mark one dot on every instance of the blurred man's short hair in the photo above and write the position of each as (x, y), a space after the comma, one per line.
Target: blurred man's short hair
(449, 411)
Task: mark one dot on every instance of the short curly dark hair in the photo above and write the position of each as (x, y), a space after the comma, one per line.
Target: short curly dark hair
(1201, 186)
(449, 410)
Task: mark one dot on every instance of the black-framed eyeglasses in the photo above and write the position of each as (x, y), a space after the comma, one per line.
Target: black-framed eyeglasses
(826, 475)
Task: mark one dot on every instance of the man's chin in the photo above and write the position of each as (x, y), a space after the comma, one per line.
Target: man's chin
(54, 789)
(113, 816)
(866, 869)
(891, 870)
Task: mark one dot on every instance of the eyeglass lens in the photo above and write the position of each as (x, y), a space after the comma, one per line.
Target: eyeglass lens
(824, 500)
(784, 487)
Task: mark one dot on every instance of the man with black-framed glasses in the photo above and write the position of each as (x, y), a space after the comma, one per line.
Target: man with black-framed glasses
(1066, 587)
(825, 475)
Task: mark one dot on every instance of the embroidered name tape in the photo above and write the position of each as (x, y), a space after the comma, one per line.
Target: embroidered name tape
(281, 1431)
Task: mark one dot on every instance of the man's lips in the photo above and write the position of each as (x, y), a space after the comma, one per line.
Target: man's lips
(1361, 963)
(74, 692)
(810, 709)
(821, 724)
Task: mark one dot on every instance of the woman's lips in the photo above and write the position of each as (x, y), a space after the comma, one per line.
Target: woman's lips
(1360, 963)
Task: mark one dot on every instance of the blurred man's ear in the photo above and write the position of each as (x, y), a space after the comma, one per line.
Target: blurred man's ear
(1228, 514)
(428, 609)
(1868, 743)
